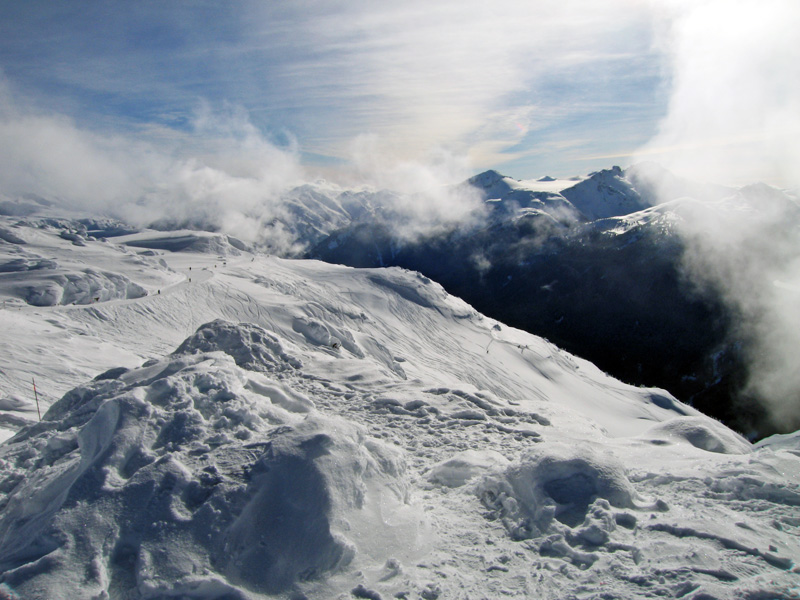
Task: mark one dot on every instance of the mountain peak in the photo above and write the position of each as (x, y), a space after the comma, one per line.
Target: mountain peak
(614, 171)
(486, 179)
(604, 194)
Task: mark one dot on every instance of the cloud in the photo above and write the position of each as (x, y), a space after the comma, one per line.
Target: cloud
(423, 74)
(219, 174)
(222, 174)
(734, 117)
(50, 156)
(428, 75)
(734, 107)
(746, 249)
(424, 196)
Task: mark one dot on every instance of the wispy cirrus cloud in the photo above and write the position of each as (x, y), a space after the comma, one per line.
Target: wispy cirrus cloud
(417, 75)
(505, 83)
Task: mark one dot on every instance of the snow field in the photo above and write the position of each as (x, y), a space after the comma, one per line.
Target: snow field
(294, 429)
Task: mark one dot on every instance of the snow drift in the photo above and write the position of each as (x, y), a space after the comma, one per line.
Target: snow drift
(186, 473)
(256, 428)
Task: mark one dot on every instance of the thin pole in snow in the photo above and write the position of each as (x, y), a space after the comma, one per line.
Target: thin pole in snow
(36, 395)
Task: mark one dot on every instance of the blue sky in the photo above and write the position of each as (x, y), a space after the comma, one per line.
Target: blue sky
(527, 87)
(518, 85)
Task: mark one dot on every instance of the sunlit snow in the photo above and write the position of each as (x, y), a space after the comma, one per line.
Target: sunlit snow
(218, 423)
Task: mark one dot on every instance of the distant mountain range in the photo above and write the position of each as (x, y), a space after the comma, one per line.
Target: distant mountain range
(599, 267)
(611, 266)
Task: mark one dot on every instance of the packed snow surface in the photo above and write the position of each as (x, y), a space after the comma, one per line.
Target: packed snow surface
(234, 425)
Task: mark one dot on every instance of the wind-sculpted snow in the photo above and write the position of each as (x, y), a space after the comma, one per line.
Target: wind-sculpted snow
(789, 442)
(50, 261)
(182, 475)
(260, 428)
(83, 287)
(44, 282)
(9, 236)
(413, 294)
(223, 245)
(250, 346)
(700, 433)
(556, 482)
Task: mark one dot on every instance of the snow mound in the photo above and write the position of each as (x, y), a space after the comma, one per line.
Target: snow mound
(705, 434)
(790, 442)
(420, 290)
(78, 287)
(198, 242)
(300, 490)
(182, 479)
(9, 236)
(19, 265)
(418, 294)
(457, 470)
(327, 335)
(251, 346)
(555, 482)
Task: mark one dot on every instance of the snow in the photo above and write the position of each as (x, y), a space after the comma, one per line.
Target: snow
(604, 194)
(497, 185)
(466, 465)
(701, 433)
(548, 184)
(254, 427)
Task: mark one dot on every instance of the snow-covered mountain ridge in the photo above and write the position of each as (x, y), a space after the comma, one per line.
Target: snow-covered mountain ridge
(253, 427)
(624, 267)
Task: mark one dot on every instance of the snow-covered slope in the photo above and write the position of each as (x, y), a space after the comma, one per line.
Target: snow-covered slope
(608, 193)
(252, 427)
(310, 212)
(508, 199)
(625, 281)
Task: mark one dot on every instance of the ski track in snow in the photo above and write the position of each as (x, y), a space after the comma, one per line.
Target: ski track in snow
(339, 433)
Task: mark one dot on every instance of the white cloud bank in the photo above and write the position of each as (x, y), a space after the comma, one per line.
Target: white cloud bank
(734, 107)
(734, 117)
(223, 173)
